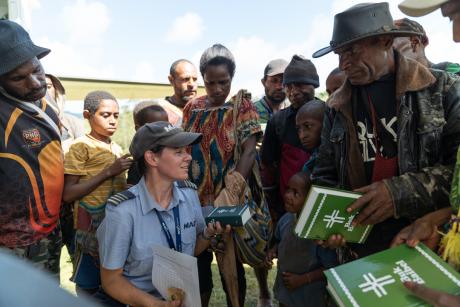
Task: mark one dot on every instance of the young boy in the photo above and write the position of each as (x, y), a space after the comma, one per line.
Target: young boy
(94, 171)
(309, 122)
(145, 112)
(300, 280)
(148, 111)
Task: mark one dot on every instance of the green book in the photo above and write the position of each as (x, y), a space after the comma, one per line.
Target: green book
(324, 214)
(234, 216)
(377, 280)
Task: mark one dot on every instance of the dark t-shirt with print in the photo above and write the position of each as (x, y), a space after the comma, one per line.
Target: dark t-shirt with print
(31, 174)
(381, 94)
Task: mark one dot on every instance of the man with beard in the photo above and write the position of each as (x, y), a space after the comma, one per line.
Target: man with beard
(183, 78)
(31, 164)
(282, 153)
(275, 97)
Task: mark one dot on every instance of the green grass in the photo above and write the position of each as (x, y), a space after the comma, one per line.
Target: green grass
(218, 294)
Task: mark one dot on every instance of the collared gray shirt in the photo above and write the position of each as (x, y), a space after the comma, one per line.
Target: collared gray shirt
(129, 231)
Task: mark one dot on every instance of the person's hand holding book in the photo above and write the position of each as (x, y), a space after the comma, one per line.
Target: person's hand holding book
(424, 229)
(433, 297)
(376, 204)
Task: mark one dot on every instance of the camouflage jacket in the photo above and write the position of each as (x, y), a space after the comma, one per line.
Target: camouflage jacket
(428, 136)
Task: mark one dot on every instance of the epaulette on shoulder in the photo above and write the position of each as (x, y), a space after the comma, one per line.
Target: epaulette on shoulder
(186, 184)
(118, 198)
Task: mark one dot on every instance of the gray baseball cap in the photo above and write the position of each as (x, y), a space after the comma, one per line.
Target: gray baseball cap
(160, 133)
(275, 67)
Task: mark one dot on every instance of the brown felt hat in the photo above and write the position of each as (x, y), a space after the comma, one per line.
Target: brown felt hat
(361, 21)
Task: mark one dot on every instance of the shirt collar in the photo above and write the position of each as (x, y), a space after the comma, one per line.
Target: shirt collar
(148, 203)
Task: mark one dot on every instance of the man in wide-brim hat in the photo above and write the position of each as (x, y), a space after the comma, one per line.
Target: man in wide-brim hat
(391, 130)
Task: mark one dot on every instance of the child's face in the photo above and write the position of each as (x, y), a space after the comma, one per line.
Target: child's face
(105, 120)
(295, 194)
(309, 131)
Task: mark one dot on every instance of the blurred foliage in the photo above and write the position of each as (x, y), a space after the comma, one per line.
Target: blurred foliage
(323, 95)
(125, 130)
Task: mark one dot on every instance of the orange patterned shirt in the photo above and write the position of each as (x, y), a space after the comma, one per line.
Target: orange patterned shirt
(31, 174)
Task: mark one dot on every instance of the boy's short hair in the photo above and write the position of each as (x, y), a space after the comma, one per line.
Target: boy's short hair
(93, 99)
(143, 104)
(305, 175)
(314, 108)
(334, 72)
(141, 117)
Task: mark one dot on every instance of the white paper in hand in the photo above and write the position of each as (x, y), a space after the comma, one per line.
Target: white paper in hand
(173, 269)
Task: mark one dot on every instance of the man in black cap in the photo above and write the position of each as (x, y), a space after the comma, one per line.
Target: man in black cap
(414, 46)
(392, 129)
(282, 153)
(31, 166)
(275, 97)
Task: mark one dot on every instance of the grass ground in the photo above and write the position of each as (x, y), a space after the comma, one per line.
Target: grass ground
(218, 295)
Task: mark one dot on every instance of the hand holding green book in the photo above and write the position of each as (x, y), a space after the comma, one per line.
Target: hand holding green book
(325, 214)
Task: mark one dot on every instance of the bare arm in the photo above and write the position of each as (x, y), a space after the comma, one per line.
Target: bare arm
(201, 244)
(248, 155)
(74, 189)
(119, 288)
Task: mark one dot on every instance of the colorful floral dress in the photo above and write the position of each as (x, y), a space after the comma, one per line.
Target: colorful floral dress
(212, 158)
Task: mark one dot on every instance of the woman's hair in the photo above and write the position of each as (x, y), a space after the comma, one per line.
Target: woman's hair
(140, 163)
(217, 55)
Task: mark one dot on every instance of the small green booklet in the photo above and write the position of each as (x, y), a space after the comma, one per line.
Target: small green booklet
(234, 216)
(376, 280)
(324, 214)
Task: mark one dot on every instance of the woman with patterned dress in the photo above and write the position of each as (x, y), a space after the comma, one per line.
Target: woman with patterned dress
(215, 169)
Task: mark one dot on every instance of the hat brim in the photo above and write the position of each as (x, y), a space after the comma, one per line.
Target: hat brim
(326, 50)
(20, 55)
(417, 8)
(180, 139)
(304, 80)
(274, 73)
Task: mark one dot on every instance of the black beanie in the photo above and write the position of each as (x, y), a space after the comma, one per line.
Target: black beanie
(301, 70)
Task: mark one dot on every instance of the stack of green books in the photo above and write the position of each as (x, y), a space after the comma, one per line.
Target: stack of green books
(324, 214)
(377, 280)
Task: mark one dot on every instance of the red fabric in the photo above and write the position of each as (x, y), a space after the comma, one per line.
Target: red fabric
(384, 168)
(292, 161)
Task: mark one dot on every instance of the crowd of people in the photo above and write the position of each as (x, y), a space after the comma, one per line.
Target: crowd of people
(389, 129)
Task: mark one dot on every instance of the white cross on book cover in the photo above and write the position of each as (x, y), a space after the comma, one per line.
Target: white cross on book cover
(377, 280)
(324, 214)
